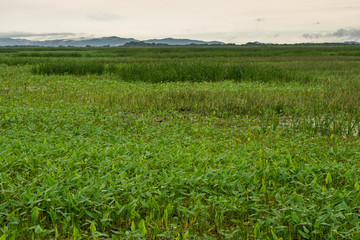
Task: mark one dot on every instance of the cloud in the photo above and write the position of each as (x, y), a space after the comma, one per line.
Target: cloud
(104, 17)
(27, 34)
(260, 19)
(313, 35)
(352, 33)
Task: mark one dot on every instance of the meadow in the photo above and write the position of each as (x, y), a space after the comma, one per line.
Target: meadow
(247, 142)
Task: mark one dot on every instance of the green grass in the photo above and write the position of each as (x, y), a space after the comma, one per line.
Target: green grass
(160, 147)
(188, 52)
(75, 67)
(169, 70)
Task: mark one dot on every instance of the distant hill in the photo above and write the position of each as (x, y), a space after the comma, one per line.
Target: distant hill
(172, 41)
(352, 42)
(98, 42)
(14, 42)
(131, 42)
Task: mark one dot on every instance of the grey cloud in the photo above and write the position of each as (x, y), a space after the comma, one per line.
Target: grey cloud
(104, 16)
(26, 34)
(313, 35)
(260, 19)
(352, 33)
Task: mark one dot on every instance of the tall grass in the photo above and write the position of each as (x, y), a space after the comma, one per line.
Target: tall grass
(194, 70)
(192, 52)
(49, 54)
(179, 71)
(206, 70)
(76, 67)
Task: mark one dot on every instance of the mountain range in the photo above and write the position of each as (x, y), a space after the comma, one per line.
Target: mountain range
(132, 42)
(97, 42)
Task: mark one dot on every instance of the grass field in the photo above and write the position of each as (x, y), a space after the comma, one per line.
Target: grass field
(180, 143)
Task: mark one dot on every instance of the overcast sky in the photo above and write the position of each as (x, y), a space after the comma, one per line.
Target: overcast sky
(236, 21)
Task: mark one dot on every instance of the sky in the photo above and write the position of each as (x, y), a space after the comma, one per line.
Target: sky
(230, 21)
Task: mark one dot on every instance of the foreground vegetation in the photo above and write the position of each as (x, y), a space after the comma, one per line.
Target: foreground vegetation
(180, 143)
